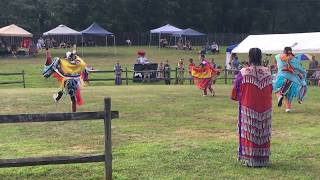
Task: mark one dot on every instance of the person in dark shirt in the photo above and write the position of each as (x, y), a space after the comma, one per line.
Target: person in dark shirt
(167, 69)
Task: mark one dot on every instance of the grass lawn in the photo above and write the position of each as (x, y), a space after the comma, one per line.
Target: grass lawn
(164, 132)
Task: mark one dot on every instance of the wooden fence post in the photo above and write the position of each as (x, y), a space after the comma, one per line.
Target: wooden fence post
(23, 79)
(107, 139)
(176, 75)
(127, 82)
(225, 75)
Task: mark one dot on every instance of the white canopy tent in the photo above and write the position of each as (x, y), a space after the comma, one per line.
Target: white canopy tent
(166, 29)
(62, 30)
(14, 31)
(275, 43)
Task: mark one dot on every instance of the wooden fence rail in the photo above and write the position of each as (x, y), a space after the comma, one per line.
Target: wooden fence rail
(22, 73)
(174, 76)
(226, 74)
(107, 115)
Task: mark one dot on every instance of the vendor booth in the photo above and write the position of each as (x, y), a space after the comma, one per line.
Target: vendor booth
(67, 36)
(96, 30)
(166, 29)
(15, 41)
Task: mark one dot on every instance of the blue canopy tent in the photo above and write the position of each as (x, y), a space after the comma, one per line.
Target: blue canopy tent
(166, 29)
(188, 33)
(96, 30)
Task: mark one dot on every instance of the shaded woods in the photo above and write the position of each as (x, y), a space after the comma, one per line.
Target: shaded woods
(210, 16)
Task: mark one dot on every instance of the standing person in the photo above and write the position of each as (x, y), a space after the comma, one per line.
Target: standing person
(204, 74)
(214, 66)
(117, 73)
(167, 71)
(291, 79)
(253, 90)
(160, 69)
(235, 62)
(191, 65)
(266, 60)
(180, 77)
(213, 63)
(316, 75)
(313, 66)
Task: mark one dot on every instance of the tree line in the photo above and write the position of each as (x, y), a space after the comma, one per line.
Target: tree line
(209, 16)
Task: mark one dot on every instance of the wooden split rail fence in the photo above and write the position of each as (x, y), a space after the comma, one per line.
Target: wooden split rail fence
(22, 74)
(107, 115)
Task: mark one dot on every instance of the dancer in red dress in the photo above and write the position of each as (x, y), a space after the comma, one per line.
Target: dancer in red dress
(204, 75)
(253, 90)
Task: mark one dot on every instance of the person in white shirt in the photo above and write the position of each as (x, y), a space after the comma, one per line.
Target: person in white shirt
(141, 58)
(128, 42)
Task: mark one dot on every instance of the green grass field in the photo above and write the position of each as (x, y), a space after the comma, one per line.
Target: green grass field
(164, 132)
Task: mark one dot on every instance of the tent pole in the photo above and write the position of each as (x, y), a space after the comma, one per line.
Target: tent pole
(150, 40)
(82, 45)
(114, 45)
(185, 40)
(159, 39)
(106, 41)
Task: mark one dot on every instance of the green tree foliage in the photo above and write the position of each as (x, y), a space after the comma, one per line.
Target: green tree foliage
(229, 16)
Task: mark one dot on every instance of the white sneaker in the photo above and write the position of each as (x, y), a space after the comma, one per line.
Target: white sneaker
(288, 110)
(54, 96)
(204, 95)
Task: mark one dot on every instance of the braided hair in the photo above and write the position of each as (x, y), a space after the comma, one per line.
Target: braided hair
(255, 56)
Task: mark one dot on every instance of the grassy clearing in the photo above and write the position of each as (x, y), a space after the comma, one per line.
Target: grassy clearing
(164, 132)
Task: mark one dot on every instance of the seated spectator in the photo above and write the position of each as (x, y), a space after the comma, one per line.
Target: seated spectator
(128, 42)
(62, 45)
(163, 42)
(188, 45)
(214, 48)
